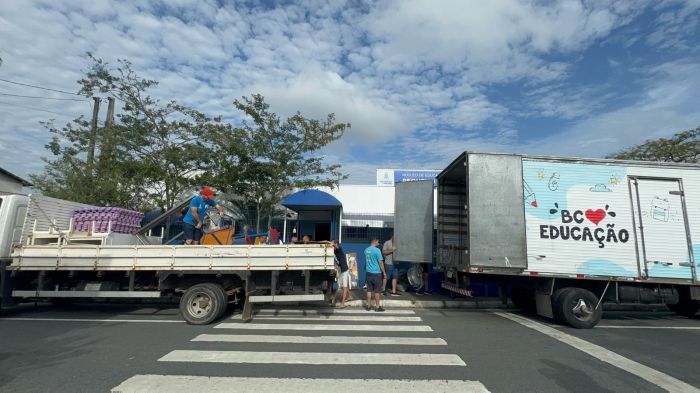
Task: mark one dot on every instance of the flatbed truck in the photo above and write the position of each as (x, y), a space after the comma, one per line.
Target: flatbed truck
(44, 258)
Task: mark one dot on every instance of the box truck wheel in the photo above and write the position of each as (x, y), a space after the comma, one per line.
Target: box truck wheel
(202, 304)
(556, 309)
(576, 307)
(686, 306)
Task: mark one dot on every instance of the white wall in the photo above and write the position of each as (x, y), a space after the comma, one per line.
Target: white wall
(367, 199)
(9, 185)
(364, 199)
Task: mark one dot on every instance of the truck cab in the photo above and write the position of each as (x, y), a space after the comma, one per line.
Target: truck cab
(13, 210)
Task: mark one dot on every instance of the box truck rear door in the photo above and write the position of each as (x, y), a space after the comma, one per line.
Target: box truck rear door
(661, 226)
(413, 221)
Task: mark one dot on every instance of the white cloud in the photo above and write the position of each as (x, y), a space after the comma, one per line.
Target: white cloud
(496, 41)
(316, 92)
(419, 81)
(667, 106)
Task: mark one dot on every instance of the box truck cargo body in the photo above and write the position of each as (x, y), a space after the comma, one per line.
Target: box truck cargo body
(615, 230)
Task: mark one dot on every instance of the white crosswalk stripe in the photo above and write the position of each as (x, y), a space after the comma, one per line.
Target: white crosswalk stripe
(187, 384)
(400, 359)
(354, 340)
(289, 326)
(300, 326)
(341, 318)
(281, 312)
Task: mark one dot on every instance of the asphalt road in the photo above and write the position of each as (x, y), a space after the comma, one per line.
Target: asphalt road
(145, 348)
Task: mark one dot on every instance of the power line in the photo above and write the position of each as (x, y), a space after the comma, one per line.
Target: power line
(43, 98)
(38, 87)
(34, 109)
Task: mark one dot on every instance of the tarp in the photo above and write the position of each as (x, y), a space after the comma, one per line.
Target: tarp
(311, 200)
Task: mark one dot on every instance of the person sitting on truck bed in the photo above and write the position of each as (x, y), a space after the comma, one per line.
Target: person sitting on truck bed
(192, 221)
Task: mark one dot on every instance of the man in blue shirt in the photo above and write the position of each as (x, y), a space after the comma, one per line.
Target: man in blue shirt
(374, 266)
(192, 221)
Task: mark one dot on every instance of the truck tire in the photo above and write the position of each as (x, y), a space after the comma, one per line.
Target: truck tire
(202, 304)
(524, 299)
(222, 297)
(576, 307)
(556, 309)
(686, 307)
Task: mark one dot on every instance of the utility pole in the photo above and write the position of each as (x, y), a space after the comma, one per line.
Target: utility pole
(106, 141)
(93, 133)
(110, 112)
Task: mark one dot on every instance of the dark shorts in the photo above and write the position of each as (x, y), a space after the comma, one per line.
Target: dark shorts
(392, 272)
(191, 233)
(374, 282)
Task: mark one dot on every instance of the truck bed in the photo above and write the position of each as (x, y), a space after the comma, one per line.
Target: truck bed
(181, 258)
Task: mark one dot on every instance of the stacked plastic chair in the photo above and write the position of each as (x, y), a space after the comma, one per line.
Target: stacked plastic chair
(106, 219)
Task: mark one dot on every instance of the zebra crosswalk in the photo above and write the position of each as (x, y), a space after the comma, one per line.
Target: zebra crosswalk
(406, 341)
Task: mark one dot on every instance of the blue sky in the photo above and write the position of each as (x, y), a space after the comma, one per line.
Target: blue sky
(420, 81)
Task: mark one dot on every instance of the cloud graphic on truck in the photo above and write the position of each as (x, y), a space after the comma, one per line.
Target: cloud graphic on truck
(600, 188)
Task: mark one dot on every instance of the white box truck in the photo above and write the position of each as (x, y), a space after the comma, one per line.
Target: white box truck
(43, 257)
(562, 235)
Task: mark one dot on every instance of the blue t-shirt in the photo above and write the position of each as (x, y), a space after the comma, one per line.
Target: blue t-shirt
(201, 205)
(372, 258)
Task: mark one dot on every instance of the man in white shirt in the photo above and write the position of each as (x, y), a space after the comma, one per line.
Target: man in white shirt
(392, 271)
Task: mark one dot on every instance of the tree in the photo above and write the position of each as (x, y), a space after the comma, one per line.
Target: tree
(149, 156)
(67, 175)
(682, 147)
(264, 160)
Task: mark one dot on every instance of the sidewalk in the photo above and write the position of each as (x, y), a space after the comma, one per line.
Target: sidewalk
(434, 300)
(440, 301)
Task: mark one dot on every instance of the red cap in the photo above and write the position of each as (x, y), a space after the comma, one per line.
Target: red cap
(207, 192)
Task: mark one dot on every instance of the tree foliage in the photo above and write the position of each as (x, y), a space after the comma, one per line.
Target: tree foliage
(267, 157)
(155, 151)
(682, 147)
(150, 155)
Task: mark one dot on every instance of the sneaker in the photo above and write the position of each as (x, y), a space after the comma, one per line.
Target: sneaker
(379, 309)
(368, 308)
(395, 294)
(420, 292)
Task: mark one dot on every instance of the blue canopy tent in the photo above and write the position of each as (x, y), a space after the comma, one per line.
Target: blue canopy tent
(319, 214)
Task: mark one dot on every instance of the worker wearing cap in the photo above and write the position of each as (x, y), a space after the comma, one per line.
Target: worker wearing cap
(193, 220)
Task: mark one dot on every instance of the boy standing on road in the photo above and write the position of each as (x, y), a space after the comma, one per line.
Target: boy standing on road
(374, 266)
(392, 272)
(194, 219)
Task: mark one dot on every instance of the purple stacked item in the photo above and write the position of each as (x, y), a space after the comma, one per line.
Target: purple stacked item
(107, 219)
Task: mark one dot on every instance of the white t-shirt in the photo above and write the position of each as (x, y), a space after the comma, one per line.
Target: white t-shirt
(388, 246)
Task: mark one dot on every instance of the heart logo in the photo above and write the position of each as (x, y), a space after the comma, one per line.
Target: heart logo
(595, 216)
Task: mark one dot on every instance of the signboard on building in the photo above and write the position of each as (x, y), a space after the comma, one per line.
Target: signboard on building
(389, 177)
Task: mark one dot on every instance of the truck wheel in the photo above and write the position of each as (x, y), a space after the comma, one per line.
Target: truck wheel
(556, 308)
(222, 297)
(202, 304)
(577, 308)
(524, 299)
(686, 306)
